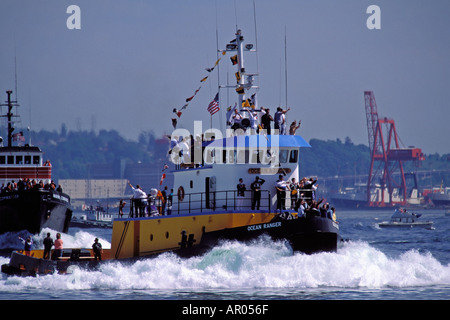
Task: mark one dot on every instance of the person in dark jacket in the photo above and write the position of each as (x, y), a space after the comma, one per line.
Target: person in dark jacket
(27, 245)
(97, 247)
(256, 188)
(48, 244)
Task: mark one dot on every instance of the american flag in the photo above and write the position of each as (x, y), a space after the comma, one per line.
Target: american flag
(213, 107)
(18, 136)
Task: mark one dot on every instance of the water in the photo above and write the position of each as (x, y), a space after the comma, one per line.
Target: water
(375, 264)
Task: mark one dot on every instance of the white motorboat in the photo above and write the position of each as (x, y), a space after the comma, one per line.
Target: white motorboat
(404, 219)
(94, 218)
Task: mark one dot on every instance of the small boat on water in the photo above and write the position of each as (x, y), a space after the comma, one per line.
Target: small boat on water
(405, 219)
(93, 218)
(234, 189)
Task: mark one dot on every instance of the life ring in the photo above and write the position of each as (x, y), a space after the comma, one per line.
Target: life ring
(180, 193)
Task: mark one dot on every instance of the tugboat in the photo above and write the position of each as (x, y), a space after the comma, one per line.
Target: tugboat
(210, 203)
(25, 202)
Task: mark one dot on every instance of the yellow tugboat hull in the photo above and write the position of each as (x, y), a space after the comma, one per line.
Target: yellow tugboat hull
(146, 236)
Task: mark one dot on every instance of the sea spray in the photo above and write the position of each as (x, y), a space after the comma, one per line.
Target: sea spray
(261, 264)
(80, 239)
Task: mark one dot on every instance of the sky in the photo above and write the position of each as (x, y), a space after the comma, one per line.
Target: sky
(133, 61)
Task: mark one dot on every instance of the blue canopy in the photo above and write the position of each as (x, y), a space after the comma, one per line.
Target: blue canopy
(256, 141)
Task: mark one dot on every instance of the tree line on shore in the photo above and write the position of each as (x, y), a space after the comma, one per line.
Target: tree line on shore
(72, 152)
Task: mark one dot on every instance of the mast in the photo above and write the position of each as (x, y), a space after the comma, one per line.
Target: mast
(245, 81)
(240, 58)
(9, 115)
(285, 65)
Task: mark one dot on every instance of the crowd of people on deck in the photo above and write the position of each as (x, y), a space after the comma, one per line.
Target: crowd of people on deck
(155, 203)
(48, 244)
(28, 184)
(58, 247)
(188, 151)
(248, 119)
(303, 198)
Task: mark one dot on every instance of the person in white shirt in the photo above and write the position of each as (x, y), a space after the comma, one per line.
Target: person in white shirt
(253, 116)
(140, 200)
(281, 187)
(240, 194)
(280, 120)
(237, 118)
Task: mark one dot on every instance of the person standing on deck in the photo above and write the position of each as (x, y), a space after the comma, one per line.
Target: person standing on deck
(280, 120)
(256, 188)
(57, 253)
(294, 192)
(139, 199)
(164, 200)
(240, 194)
(97, 248)
(293, 128)
(265, 120)
(121, 206)
(48, 244)
(27, 245)
(281, 187)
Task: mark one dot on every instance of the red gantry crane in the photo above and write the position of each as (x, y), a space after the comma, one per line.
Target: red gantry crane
(386, 166)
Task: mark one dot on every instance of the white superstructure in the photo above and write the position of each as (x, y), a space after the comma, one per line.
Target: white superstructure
(207, 178)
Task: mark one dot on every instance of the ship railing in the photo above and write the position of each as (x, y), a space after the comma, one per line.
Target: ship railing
(51, 194)
(227, 200)
(306, 194)
(202, 202)
(293, 199)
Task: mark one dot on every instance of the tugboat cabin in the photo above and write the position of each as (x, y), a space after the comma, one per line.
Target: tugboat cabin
(211, 183)
(17, 162)
(23, 162)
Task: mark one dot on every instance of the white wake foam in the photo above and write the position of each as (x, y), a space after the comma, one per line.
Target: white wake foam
(262, 264)
(81, 239)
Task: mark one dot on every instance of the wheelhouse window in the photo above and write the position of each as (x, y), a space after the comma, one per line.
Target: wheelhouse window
(210, 156)
(2, 159)
(10, 159)
(255, 157)
(230, 156)
(19, 159)
(242, 156)
(27, 160)
(36, 159)
(252, 156)
(224, 156)
(293, 158)
(284, 156)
